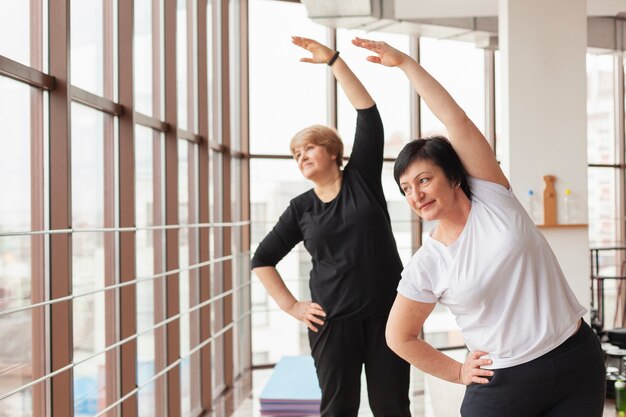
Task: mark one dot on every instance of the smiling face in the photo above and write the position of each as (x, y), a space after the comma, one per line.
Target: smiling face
(314, 161)
(428, 191)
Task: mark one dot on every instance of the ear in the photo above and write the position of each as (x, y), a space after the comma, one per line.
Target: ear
(333, 157)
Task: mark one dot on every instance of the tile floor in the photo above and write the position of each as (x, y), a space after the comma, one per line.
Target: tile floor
(431, 397)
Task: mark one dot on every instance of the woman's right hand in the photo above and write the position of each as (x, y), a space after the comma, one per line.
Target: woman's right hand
(309, 313)
(471, 371)
(387, 55)
(320, 54)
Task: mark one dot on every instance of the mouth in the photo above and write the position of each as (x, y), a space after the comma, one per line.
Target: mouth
(425, 205)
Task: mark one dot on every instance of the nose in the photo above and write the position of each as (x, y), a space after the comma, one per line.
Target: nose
(418, 196)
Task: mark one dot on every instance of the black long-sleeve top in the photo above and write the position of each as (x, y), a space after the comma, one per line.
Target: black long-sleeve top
(356, 267)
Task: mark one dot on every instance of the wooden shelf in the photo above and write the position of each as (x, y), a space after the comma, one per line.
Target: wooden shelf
(562, 226)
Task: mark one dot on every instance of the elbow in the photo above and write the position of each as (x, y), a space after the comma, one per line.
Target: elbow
(394, 339)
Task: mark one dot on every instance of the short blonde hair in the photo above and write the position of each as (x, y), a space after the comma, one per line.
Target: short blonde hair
(322, 136)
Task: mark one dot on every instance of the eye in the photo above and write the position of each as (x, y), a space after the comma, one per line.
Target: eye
(407, 190)
(297, 155)
(424, 180)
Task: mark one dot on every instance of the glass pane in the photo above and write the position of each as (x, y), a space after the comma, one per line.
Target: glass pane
(21, 272)
(399, 212)
(234, 49)
(600, 118)
(498, 94)
(149, 243)
(15, 207)
(87, 45)
(217, 272)
(285, 94)
(87, 197)
(388, 87)
(182, 66)
(189, 281)
(15, 145)
(209, 53)
(274, 334)
(15, 30)
(603, 218)
(142, 63)
(460, 68)
(90, 380)
(88, 260)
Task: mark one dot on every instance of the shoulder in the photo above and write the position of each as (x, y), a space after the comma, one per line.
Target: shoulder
(482, 189)
(303, 199)
(424, 259)
(369, 112)
(300, 204)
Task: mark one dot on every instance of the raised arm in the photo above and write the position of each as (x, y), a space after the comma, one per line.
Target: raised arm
(320, 54)
(466, 139)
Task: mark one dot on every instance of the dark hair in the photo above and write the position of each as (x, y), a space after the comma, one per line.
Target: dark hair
(438, 150)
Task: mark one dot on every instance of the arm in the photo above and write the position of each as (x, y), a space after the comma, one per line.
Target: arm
(305, 311)
(403, 329)
(468, 142)
(320, 54)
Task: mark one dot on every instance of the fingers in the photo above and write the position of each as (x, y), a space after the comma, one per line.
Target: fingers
(479, 374)
(374, 59)
(310, 326)
(374, 46)
(309, 60)
(312, 314)
(478, 361)
(318, 307)
(300, 41)
(473, 368)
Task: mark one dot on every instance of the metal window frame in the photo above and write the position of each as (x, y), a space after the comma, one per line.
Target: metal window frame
(60, 245)
(119, 333)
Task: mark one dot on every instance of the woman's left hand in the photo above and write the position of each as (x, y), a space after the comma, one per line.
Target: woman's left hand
(471, 370)
(320, 54)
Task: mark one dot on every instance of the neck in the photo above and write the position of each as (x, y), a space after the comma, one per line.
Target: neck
(451, 226)
(328, 187)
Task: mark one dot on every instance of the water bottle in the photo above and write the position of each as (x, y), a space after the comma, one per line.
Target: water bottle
(531, 205)
(620, 395)
(567, 206)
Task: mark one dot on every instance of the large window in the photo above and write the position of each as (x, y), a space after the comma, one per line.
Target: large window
(303, 99)
(606, 177)
(459, 67)
(388, 87)
(117, 273)
(602, 150)
(285, 95)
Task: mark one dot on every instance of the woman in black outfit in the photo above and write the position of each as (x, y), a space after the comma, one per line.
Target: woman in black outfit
(345, 226)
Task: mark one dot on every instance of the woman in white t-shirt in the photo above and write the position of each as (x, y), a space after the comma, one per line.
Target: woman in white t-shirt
(531, 354)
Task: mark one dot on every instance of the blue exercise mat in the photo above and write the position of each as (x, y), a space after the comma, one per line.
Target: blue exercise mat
(293, 380)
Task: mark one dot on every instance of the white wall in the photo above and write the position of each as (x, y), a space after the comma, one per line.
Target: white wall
(544, 113)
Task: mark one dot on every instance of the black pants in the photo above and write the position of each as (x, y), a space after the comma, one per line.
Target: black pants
(569, 381)
(340, 349)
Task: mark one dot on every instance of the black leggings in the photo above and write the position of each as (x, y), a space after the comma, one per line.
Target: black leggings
(340, 349)
(569, 381)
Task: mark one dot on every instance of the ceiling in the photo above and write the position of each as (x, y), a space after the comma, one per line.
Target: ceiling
(468, 20)
(425, 9)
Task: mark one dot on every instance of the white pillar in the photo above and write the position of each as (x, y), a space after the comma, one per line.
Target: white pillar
(543, 46)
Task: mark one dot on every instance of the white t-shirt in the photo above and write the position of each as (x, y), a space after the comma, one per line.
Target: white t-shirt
(500, 279)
